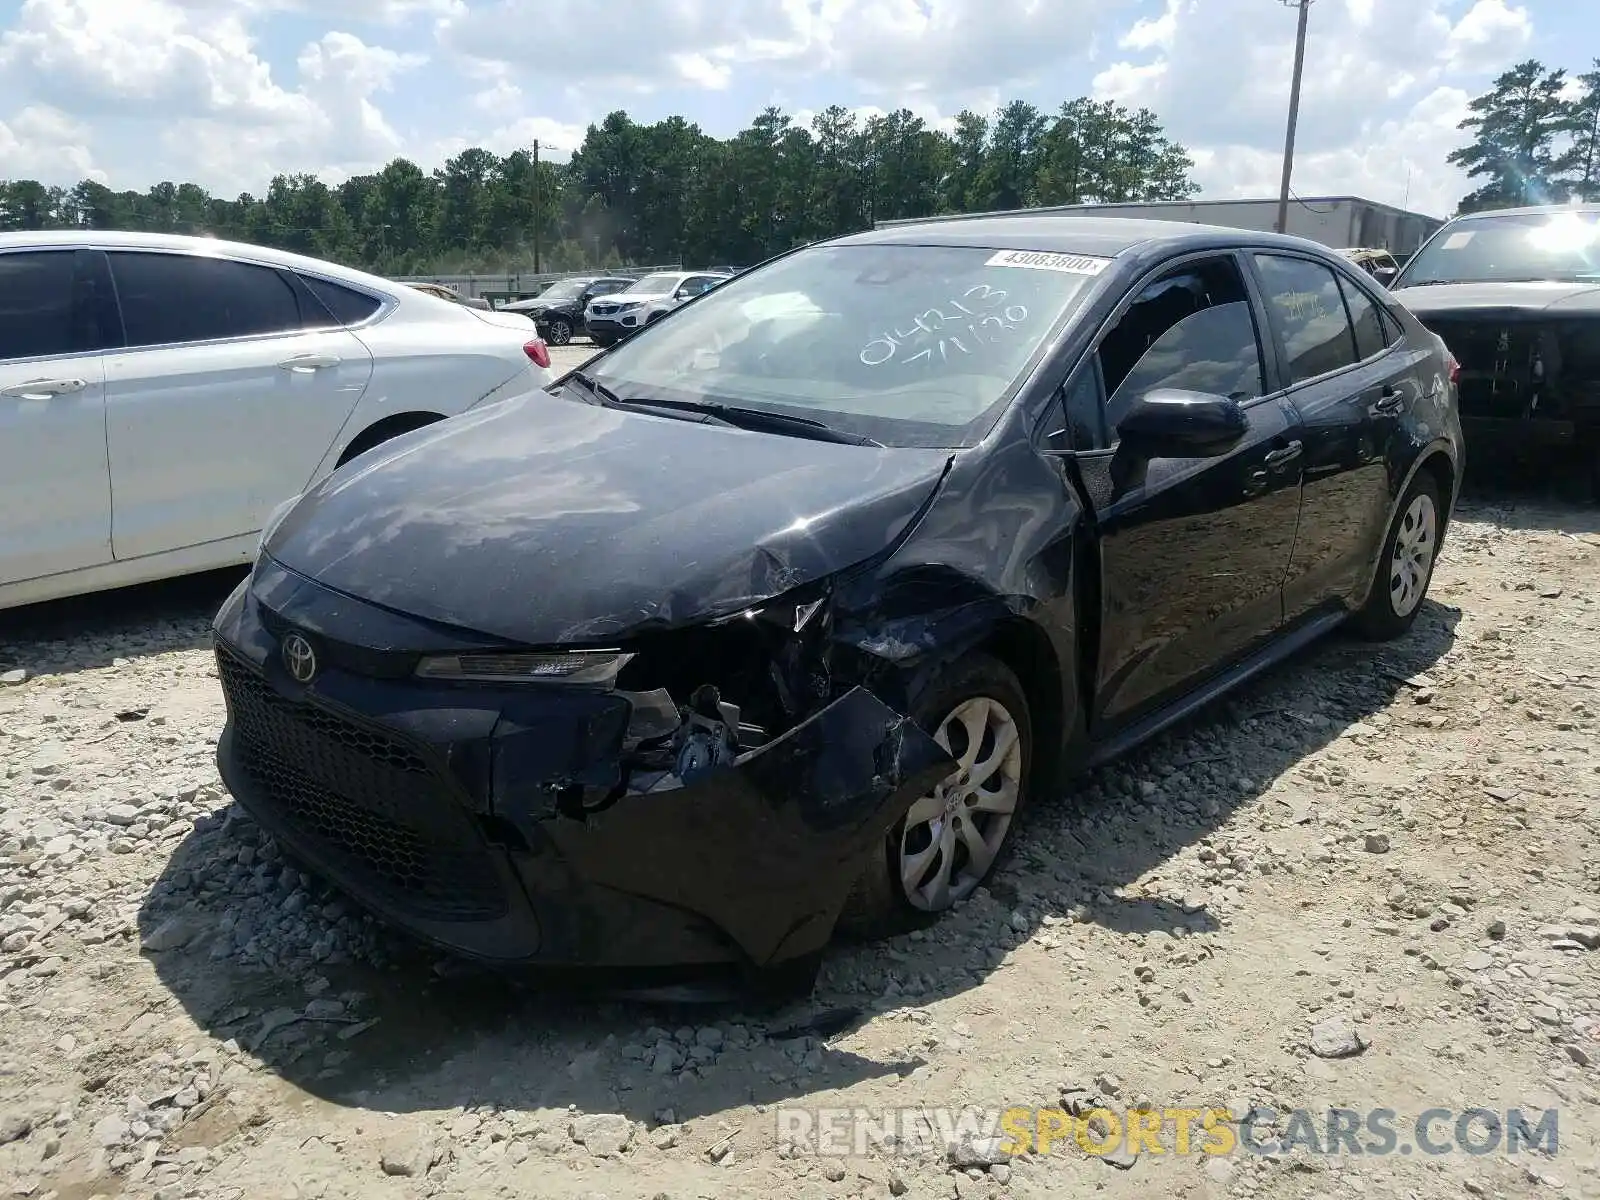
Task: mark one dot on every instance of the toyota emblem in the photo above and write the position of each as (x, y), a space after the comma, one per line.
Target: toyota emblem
(299, 658)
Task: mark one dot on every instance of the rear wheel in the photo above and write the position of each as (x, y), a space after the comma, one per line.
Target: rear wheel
(559, 332)
(1409, 553)
(951, 840)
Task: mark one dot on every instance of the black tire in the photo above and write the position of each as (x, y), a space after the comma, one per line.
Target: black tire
(559, 332)
(1386, 616)
(878, 905)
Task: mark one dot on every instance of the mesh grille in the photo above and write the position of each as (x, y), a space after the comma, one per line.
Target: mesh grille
(370, 804)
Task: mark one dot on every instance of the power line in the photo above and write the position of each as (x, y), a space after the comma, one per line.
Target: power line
(1294, 110)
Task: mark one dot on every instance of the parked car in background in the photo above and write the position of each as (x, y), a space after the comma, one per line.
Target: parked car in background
(558, 310)
(444, 293)
(160, 396)
(1380, 264)
(1516, 295)
(786, 606)
(611, 318)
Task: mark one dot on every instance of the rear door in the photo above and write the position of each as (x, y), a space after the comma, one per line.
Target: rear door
(224, 401)
(1349, 382)
(1192, 551)
(55, 499)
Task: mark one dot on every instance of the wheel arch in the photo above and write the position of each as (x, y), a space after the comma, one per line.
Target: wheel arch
(1027, 651)
(382, 430)
(1436, 459)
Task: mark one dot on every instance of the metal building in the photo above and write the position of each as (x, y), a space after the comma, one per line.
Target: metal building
(1335, 221)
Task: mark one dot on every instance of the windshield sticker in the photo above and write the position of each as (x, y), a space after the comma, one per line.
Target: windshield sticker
(979, 317)
(1457, 240)
(1037, 260)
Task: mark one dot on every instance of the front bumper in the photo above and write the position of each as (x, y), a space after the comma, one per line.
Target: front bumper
(495, 822)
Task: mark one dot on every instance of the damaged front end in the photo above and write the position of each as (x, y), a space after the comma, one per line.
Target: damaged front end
(1528, 379)
(704, 795)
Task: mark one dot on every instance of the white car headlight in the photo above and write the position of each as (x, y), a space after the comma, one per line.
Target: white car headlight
(576, 666)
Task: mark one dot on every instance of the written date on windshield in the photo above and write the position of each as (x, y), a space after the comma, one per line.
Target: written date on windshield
(979, 317)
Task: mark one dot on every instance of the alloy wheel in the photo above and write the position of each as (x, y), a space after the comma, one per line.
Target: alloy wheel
(953, 834)
(1415, 542)
(560, 333)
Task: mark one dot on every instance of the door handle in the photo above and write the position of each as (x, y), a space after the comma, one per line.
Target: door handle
(44, 389)
(1285, 456)
(303, 363)
(1390, 399)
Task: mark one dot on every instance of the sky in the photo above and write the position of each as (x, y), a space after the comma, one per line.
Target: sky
(228, 93)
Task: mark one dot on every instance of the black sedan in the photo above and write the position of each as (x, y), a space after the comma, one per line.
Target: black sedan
(772, 619)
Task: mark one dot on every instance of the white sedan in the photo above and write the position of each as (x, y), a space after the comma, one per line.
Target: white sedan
(160, 396)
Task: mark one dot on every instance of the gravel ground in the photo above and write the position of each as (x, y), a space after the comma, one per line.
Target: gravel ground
(1368, 881)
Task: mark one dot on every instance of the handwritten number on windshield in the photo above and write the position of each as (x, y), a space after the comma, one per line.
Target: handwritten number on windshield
(978, 323)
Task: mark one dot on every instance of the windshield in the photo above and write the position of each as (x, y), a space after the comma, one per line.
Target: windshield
(1512, 248)
(655, 284)
(908, 345)
(567, 289)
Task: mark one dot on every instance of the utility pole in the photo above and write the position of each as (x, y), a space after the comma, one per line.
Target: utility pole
(538, 188)
(1294, 110)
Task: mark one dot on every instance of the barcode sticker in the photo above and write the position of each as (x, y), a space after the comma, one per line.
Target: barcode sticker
(1038, 260)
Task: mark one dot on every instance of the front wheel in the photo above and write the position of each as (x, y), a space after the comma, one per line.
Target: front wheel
(1409, 554)
(951, 840)
(559, 332)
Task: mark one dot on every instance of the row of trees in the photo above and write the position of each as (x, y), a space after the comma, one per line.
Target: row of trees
(1536, 138)
(664, 192)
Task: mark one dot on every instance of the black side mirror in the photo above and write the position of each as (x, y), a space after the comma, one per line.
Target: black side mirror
(1385, 275)
(1172, 423)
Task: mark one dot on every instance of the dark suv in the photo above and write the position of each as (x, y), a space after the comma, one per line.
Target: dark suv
(558, 310)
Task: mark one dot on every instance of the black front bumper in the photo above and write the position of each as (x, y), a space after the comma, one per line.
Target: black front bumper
(607, 327)
(495, 822)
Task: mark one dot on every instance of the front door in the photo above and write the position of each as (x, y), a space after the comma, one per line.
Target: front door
(1192, 551)
(55, 503)
(222, 405)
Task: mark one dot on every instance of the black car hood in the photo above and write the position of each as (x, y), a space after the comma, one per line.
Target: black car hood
(1465, 299)
(545, 520)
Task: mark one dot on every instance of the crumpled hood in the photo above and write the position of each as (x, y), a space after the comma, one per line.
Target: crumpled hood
(545, 520)
(1558, 299)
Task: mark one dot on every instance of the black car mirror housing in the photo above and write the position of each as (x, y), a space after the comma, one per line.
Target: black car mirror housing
(1174, 423)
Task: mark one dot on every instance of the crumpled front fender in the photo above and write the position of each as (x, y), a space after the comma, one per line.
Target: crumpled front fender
(767, 848)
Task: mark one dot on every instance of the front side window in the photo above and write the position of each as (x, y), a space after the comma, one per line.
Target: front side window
(910, 345)
(1308, 307)
(1515, 248)
(175, 298)
(36, 304)
(1191, 329)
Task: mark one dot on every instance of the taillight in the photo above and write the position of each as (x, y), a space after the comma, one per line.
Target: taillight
(538, 352)
(1454, 368)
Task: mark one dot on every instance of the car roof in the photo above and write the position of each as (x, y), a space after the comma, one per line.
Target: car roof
(108, 239)
(1067, 233)
(1533, 210)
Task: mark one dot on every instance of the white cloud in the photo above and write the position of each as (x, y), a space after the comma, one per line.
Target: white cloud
(1382, 92)
(42, 143)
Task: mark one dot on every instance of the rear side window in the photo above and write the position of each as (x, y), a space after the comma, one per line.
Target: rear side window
(1364, 319)
(176, 298)
(1191, 329)
(345, 305)
(1309, 312)
(36, 309)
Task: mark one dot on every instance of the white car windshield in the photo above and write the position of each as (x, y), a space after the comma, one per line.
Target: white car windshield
(1515, 248)
(908, 345)
(655, 284)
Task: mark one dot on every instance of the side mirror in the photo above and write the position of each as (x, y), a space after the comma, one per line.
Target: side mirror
(1385, 275)
(1172, 423)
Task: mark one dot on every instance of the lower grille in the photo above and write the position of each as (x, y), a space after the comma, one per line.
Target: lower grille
(368, 804)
